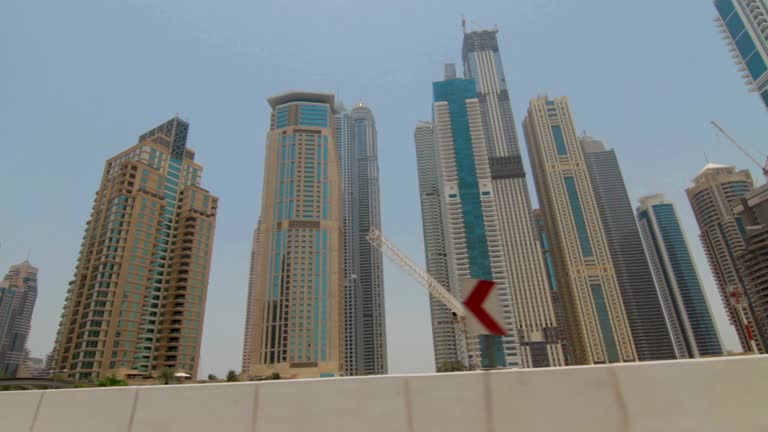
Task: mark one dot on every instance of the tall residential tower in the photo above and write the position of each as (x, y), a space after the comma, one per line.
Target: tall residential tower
(365, 336)
(743, 25)
(714, 193)
(445, 336)
(638, 291)
(597, 326)
(297, 297)
(18, 292)
(527, 277)
(686, 309)
(138, 296)
(473, 240)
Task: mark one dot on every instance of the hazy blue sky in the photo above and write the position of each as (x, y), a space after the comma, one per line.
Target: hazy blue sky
(80, 80)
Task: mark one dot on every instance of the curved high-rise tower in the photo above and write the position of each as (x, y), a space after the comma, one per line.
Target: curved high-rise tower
(365, 338)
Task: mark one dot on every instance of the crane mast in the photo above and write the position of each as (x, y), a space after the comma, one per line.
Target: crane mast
(763, 167)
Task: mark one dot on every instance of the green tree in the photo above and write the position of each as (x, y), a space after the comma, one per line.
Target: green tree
(274, 376)
(166, 376)
(111, 381)
(212, 377)
(454, 366)
(232, 376)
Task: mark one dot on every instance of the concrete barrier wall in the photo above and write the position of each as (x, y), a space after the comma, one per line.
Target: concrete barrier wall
(699, 395)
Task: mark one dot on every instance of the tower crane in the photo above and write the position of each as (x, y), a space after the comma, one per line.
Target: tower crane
(763, 167)
(377, 239)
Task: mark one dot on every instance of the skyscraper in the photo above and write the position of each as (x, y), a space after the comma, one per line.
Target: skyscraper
(597, 327)
(536, 325)
(297, 306)
(251, 301)
(752, 210)
(686, 309)
(742, 23)
(365, 343)
(18, 292)
(445, 338)
(138, 296)
(638, 291)
(473, 240)
(714, 193)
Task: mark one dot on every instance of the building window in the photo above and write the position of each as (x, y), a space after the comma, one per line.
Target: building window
(578, 217)
(604, 320)
(557, 133)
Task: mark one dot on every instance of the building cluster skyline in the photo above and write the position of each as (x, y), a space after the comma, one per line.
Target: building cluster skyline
(584, 279)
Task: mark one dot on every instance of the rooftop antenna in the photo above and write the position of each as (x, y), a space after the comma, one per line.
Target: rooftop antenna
(706, 157)
(464, 24)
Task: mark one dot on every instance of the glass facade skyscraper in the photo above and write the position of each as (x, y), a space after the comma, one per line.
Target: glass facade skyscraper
(527, 278)
(365, 335)
(686, 309)
(18, 293)
(743, 23)
(638, 291)
(297, 298)
(473, 241)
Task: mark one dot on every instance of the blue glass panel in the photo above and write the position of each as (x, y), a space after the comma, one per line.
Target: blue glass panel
(456, 92)
(492, 351)
(756, 66)
(551, 271)
(724, 7)
(745, 45)
(557, 133)
(735, 25)
(605, 323)
(578, 217)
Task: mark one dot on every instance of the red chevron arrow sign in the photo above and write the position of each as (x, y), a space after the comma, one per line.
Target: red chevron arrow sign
(487, 315)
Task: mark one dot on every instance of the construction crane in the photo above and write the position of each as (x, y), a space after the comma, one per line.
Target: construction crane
(763, 167)
(376, 238)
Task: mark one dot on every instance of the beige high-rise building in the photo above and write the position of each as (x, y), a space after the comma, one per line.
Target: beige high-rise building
(715, 191)
(297, 295)
(596, 323)
(138, 296)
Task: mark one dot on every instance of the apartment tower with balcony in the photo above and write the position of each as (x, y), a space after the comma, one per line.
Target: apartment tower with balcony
(137, 300)
(296, 304)
(596, 322)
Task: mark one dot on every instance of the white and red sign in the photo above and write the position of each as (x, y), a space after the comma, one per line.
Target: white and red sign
(481, 301)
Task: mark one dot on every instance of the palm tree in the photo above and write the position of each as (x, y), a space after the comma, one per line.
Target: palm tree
(165, 376)
(232, 376)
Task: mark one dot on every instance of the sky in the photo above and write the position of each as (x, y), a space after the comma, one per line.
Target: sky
(81, 80)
